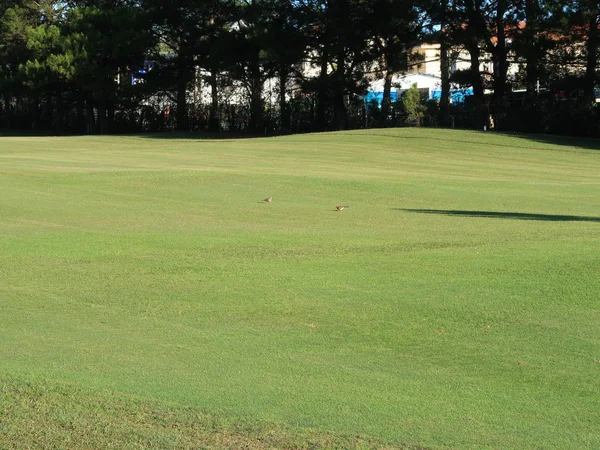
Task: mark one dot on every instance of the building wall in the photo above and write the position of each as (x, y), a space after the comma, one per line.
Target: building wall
(428, 61)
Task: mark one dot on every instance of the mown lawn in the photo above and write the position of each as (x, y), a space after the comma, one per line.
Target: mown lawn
(149, 297)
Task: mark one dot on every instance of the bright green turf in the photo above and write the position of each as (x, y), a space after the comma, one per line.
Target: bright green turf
(454, 304)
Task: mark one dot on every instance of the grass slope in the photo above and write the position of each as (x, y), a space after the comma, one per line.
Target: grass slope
(453, 305)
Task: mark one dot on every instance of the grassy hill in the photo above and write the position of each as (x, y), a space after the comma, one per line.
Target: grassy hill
(149, 297)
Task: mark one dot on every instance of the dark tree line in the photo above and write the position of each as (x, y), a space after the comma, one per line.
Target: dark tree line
(278, 66)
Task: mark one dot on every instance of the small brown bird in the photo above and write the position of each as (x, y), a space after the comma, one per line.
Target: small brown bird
(269, 199)
(339, 208)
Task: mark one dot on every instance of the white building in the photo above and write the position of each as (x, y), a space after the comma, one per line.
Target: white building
(428, 61)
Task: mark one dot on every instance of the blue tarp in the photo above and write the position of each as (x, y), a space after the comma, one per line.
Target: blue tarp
(378, 97)
(456, 95)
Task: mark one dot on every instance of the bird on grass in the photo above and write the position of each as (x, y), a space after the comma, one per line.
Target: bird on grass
(268, 199)
(340, 207)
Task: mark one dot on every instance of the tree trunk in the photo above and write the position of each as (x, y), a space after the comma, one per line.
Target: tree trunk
(532, 53)
(110, 115)
(592, 54)
(6, 111)
(81, 118)
(58, 113)
(183, 76)
(283, 106)
(256, 123)
(339, 108)
(478, 92)
(90, 117)
(322, 94)
(213, 121)
(475, 53)
(445, 76)
(386, 103)
(499, 55)
(35, 111)
(102, 117)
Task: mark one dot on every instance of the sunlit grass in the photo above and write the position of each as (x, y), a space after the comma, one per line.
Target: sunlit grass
(454, 304)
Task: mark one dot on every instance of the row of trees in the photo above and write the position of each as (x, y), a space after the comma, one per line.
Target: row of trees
(100, 66)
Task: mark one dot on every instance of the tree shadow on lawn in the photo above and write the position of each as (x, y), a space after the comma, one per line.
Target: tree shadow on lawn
(505, 215)
(164, 135)
(570, 141)
(197, 135)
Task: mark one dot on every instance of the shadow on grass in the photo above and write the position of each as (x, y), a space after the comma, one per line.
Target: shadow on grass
(6, 132)
(166, 135)
(505, 215)
(197, 135)
(570, 141)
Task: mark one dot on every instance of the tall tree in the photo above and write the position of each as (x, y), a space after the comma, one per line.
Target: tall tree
(445, 43)
(114, 39)
(497, 43)
(396, 28)
(53, 63)
(491, 27)
(285, 47)
(15, 19)
(320, 49)
(531, 35)
(180, 25)
(473, 37)
(340, 37)
(446, 26)
(250, 64)
(591, 17)
(213, 52)
(350, 53)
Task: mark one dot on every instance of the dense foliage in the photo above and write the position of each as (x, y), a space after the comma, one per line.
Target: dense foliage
(277, 66)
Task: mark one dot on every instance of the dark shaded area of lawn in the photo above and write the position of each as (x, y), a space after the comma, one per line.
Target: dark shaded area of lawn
(571, 141)
(199, 135)
(505, 215)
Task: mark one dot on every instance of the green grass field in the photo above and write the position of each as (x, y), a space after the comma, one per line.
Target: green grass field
(150, 298)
